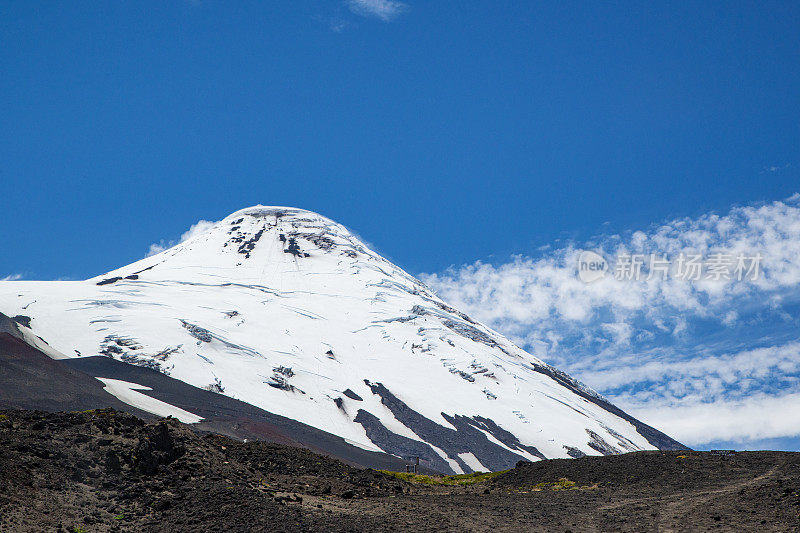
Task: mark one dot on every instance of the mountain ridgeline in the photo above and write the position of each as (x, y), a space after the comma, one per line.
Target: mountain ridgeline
(284, 313)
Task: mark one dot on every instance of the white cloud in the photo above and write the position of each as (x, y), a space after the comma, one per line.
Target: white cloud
(12, 277)
(760, 416)
(158, 247)
(670, 349)
(196, 229)
(620, 332)
(730, 318)
(385, 10)
(657, 368)
(534, 292)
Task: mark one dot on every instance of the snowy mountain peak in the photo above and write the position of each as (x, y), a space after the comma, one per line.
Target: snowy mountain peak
(252, 239)
(287, 310)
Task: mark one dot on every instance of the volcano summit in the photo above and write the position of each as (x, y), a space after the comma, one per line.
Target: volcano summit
(289, 312)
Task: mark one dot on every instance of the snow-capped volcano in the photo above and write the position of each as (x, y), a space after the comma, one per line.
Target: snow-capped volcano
(288, 311)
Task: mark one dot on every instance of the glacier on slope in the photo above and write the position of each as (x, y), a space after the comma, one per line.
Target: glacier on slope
(287, 310)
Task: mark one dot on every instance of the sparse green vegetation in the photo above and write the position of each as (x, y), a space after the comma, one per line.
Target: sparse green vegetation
(562, 484)
(97, 412)
(3, 418)
(460, 479)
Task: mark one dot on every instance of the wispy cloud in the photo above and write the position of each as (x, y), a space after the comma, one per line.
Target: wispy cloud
(386, 10)
(757, 417)
(196, 229)
(662, 345)
(338, 24)
(775, 168)
(11, 277)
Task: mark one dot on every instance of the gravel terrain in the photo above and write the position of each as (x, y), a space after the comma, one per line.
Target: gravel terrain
(104, 470)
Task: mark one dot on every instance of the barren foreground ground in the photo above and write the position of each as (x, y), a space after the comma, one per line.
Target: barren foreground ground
(109, 471)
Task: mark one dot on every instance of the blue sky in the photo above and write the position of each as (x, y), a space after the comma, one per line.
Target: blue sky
(444, 133)
(454, 131)
(713, 362)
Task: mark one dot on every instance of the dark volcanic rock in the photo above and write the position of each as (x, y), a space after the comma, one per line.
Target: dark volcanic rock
(468, 438)
(103, 470)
